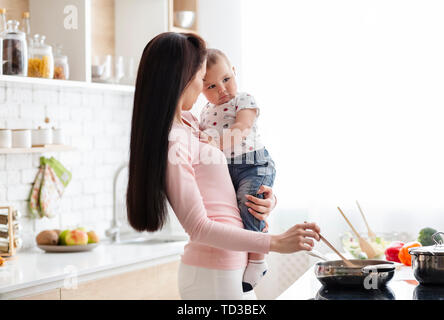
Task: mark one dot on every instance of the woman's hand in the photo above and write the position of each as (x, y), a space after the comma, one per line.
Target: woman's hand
(297, 238)
(261, 208)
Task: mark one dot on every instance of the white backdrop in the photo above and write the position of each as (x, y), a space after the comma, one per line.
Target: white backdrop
(352, 97)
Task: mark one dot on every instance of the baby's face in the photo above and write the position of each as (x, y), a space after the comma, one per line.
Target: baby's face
(220, 83)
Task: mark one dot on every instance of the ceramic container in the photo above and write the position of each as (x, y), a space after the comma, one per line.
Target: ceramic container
(5, 138)
(21, 138)
(41, 136)
(58, 136)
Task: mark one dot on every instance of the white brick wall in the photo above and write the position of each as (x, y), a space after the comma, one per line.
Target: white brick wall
(96, 122)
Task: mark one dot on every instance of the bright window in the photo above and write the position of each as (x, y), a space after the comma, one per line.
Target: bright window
(352, 97)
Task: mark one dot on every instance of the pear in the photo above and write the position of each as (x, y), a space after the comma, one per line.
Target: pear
(93, 237)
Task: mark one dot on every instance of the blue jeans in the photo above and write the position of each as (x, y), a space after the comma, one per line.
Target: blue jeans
(248, 172)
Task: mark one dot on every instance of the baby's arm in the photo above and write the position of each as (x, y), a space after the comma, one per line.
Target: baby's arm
(239, 130)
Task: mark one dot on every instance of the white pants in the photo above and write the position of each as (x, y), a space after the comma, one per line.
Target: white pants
(197, 283)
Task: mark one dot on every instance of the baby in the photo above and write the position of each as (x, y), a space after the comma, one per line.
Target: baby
(228, 121)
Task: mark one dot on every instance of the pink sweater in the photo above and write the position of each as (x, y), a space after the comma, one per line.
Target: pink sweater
(201, 193)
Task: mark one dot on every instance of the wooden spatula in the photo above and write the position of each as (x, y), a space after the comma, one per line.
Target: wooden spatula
(371, 234)
(365, 246)
(347, 262)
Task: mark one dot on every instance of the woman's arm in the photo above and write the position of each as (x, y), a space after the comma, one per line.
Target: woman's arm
(186, 200)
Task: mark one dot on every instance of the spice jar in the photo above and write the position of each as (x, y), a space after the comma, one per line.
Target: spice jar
(41, 59)
(15, 50)
(61, 66)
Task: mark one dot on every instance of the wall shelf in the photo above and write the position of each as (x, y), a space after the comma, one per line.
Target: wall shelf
(183, 5)
(66, 83)
(48, 148)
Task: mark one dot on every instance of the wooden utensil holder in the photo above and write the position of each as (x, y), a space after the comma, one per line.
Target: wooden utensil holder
(10, 223)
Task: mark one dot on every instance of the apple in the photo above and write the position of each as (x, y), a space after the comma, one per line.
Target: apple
(92, 237)
(81, 229)
(62, 237)
(76, 237)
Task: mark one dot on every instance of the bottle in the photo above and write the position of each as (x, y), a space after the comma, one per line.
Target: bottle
(2, 20)
(26, 25)
(15, 50)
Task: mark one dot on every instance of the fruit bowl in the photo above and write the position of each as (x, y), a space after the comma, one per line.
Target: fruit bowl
(74, 248)
(350, 243)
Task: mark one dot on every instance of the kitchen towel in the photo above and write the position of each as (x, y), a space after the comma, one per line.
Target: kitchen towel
(49, 186)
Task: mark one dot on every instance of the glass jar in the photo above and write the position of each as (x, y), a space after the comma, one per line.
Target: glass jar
(61, 66)
(41, 59)
(15, 50)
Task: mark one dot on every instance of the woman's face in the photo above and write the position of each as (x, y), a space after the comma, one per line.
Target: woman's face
(193, 89)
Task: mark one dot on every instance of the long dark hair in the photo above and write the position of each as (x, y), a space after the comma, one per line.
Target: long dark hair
(169, 62)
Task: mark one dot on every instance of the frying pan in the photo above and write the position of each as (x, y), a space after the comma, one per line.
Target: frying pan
(368, 274)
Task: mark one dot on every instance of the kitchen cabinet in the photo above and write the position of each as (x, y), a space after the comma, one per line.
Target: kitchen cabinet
(88, 28)
(158, 282)
(47, 295)
(95, 28)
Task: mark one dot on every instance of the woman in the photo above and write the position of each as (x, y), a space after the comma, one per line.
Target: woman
(168, 162)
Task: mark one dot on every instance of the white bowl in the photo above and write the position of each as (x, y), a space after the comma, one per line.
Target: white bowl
(184, 19)
(97, 70)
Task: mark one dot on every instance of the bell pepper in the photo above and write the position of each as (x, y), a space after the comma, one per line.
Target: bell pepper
(392, 251)
(404, 255)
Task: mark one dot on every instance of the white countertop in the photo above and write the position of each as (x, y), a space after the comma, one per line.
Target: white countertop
(32, 271)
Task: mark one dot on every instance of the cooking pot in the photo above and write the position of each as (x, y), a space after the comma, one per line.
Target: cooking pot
(368, 274)
(428, 262)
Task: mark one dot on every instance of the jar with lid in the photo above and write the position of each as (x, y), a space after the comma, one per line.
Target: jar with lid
(61, 66)
(41, 59)
(15, 50)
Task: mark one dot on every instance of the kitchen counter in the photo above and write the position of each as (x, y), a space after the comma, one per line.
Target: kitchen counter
(33, 271)
(403, 286)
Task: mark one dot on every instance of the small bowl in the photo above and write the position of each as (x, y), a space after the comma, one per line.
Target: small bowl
(184, 19)
(350, 243)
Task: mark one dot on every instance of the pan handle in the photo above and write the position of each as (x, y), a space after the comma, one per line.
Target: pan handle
(378, 268)
(437, 239)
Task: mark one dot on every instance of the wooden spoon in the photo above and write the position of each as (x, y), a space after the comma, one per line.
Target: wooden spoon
(371, 234)
(347, 262)
(365, 246)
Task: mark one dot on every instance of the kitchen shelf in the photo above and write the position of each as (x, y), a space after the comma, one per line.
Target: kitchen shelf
(47, 148)
(96, 28)
(67, 83)
(183, 5)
